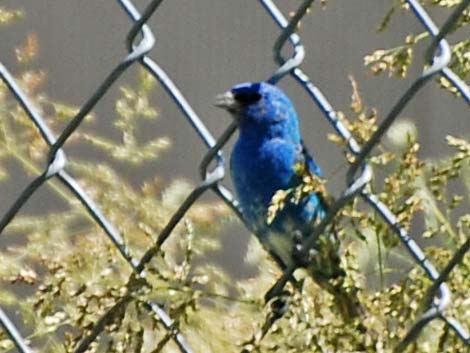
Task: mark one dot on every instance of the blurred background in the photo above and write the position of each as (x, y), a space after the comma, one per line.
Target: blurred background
(207, 46)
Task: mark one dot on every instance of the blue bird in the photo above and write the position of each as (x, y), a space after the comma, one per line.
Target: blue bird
(267, 158)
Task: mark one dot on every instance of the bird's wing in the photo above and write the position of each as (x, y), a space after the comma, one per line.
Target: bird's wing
(306, 157)
(309, 162)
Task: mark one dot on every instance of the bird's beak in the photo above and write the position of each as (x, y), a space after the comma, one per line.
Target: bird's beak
(227, 101)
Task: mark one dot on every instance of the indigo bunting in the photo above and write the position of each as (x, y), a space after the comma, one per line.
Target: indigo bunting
(269, 157)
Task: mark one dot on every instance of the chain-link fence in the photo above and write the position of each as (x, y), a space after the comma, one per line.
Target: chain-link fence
(213, 168)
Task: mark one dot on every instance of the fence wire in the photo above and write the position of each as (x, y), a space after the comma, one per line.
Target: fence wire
(359, 175)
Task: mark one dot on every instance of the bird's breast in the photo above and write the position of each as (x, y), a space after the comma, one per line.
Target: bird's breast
(258, 171)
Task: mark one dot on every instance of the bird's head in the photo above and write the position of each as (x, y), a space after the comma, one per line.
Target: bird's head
(258, 105)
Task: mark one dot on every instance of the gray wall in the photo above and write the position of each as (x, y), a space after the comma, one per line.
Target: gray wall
(206, 46)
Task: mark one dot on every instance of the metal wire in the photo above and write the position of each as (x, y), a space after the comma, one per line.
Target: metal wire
(358, 176)
(439, 65)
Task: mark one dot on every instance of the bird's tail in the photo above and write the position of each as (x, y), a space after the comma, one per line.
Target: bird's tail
(345, 297)
(327, 271)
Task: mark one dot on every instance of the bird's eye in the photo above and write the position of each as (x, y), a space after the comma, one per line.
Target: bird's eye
(247, 98)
